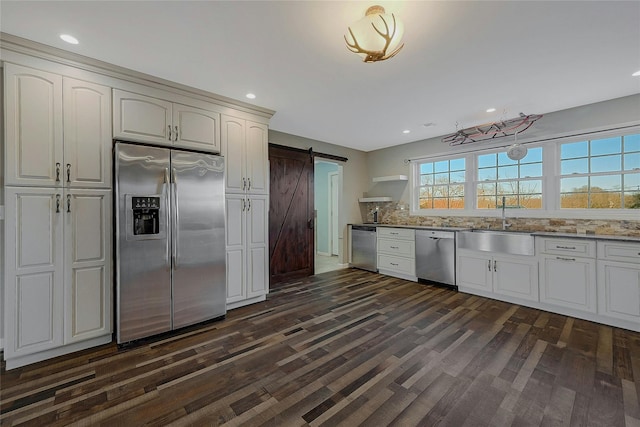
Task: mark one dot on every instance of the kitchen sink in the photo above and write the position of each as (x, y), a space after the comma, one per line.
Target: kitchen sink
(506, 242)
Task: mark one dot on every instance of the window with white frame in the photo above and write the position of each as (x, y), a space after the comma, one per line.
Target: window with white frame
(600, 173)
(441, 184)
(518, 181)
(591, 175)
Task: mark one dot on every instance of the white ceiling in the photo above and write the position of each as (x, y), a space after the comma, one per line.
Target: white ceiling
(459, 59)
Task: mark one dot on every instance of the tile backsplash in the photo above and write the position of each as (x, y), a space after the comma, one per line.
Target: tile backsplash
(395, 214)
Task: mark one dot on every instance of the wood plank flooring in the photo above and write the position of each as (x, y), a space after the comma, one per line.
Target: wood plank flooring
(347, 348)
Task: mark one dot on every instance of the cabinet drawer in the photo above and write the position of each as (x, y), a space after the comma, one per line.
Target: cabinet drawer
(401, 265)
(397, 233)
(619, 251)
(404, 248)
(581, 248)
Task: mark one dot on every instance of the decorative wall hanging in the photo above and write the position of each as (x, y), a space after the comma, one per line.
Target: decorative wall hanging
(493, 130)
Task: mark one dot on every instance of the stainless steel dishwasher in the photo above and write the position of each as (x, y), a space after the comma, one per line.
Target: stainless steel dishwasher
(435, 256)
(363, 247)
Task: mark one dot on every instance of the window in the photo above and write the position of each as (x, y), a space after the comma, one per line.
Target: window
(601, 173)
(595, 176)
(518, 181)
(441, 184)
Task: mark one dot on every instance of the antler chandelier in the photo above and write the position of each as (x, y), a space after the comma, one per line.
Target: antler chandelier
(375, 37)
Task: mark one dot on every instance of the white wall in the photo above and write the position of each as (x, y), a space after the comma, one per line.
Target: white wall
(355, 179)
(321, 195)
(391, 161)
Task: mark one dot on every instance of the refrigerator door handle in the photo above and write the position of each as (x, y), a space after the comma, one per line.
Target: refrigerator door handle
(165, 189)
(176, 221)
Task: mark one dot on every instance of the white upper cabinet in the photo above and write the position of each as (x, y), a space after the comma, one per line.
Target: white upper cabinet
(87, 134)
(141, 118)
(245, 147)
(58, 130)
(147, 119)
(196, 128)
(33, 108)
(257, 158)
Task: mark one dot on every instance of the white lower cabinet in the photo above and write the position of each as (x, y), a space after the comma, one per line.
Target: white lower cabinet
(247, 251)
(508, 275)
(396, 253)
(568, 273)
(58, 272)
(568, 282)
(619, 281)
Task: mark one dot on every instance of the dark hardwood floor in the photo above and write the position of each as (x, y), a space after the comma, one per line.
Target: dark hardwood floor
(347, 348)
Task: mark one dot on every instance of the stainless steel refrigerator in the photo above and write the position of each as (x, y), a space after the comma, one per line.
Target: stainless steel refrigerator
(170, 242)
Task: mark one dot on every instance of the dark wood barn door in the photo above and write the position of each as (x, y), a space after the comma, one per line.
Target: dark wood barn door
(291, 211)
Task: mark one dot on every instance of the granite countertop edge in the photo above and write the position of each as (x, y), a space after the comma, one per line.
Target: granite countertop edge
(535, 233)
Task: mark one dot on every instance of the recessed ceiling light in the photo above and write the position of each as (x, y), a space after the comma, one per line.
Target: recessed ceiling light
(69, 39)
(636, 74)
(251, 96)
(406, 131)
(490, 110)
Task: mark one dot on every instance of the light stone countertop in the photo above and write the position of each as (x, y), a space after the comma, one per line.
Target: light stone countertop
(534, 233)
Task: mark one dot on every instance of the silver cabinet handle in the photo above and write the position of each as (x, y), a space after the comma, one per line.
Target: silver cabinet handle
(566, 259)
(248, 184)
(573, 248)
(394, 247)
(176, 133)
(57, 203)
(495, 265)
(57, 172)
(248, 205)
(394, 264)
(68, 203)
(170, 137)
(489, 265)
(68, 172)
(244, 184)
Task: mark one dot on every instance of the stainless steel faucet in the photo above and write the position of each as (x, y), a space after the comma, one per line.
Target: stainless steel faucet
(504, 215)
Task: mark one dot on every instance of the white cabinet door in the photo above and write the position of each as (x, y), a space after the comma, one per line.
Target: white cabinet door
(515, 276)
(257, 158)
(234, 151)
(87, 134)
(568, 282)
(196, 128)
(34, 270)
(619, 290)
(235, 206)
(474, 271)
(141, 118)
(87, 264)
(258, 266)
(33, 108)
(246, 246)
